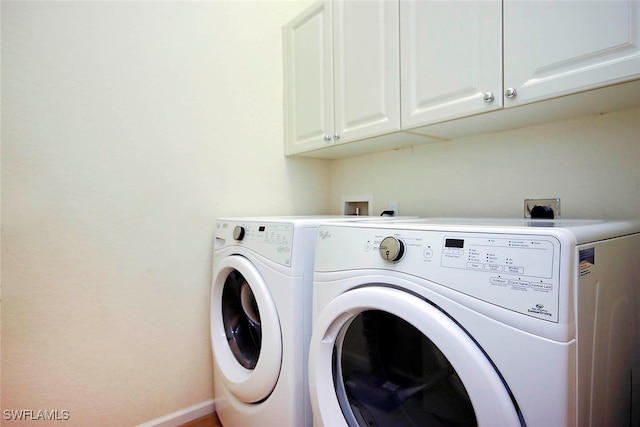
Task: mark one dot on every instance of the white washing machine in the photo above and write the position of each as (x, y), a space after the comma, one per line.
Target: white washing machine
(261, 318)
(476, 322)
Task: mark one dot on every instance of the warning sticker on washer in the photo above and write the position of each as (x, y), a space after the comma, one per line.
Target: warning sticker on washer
(587, 260)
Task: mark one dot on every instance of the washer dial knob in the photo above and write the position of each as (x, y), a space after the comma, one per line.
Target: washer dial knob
(391, 249)
(238, 232)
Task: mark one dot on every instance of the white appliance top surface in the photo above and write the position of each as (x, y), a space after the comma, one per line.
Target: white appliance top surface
(584, 230)
(288, 219)
(314, 219)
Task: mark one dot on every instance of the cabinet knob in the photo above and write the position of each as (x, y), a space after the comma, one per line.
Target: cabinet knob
(336, 136)
(510, 93)
(488, 97)
(327, 138)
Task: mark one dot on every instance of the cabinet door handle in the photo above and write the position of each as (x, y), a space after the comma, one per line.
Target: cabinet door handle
(510, 93)
(488, 97)
(327, 138)
(336, 136)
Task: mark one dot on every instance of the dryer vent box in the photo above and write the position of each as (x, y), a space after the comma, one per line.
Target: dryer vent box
(357, 205)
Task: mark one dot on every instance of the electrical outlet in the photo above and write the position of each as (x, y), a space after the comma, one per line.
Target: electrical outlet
(394, 206)
(554, 204)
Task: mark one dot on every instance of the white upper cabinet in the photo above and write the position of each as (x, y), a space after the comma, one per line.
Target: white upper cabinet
(453, 63)
(308, 79)
(451, 59)
(341, 71)
(366, 68)
(552, 48)
(384, 74)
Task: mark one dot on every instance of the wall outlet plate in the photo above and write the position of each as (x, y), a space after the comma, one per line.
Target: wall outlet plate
(394, 207)
(554, 204)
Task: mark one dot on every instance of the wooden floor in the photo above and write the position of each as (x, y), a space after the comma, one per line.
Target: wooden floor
(210, 420)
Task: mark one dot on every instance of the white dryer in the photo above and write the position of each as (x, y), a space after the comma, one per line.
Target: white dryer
(261, 318)
(476, 322)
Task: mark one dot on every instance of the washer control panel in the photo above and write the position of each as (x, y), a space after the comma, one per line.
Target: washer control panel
(272, 240)
(519, 272)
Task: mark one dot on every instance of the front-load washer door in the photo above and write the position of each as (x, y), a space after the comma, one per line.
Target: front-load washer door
(384, 357)
(245, 330)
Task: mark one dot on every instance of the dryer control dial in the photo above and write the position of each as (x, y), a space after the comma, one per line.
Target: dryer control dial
(391, 249)
(238, 232)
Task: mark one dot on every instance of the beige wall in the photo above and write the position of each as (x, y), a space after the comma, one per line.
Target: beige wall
(592, 164)
(128, 128)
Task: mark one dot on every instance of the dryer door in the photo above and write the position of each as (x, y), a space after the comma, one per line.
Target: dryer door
(384, 357)
(245, 330)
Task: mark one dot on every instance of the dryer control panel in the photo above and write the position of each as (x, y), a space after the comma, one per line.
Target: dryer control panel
(530, 258)
(272, 240)
(519, 272)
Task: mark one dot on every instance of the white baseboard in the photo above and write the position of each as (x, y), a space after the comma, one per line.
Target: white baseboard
(182, 416)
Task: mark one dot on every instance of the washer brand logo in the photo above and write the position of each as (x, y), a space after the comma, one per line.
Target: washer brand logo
(539, 310)
(324, 234)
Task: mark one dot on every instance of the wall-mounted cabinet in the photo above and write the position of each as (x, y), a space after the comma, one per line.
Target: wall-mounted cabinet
(452, 56)
(342, 74)
(553, 48)
(463, 68)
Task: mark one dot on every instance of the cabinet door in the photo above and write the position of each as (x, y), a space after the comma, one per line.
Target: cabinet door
(366, 68)
(560, 47)
(451, 56)
(308, 79)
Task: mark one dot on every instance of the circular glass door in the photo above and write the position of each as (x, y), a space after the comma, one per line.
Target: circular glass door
(388, 373)
(384, 357)
(245, 330)
(241, 319)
